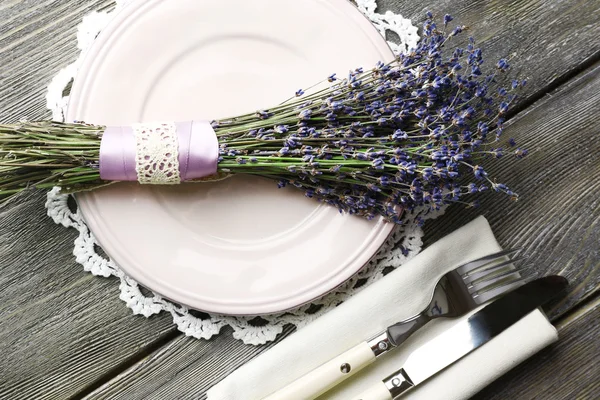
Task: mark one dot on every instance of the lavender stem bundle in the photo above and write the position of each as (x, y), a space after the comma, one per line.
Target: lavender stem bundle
(404, 134)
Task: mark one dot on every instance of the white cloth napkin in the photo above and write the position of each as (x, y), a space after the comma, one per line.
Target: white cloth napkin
(399, 295)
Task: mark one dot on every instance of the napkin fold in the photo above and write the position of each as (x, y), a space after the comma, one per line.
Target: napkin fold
(399, 295)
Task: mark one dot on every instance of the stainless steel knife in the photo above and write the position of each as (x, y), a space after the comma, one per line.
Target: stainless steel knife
(466, 336)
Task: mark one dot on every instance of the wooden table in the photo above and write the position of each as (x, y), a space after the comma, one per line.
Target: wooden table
(65, 334)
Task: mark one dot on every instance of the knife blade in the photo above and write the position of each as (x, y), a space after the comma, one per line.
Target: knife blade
(466, 336)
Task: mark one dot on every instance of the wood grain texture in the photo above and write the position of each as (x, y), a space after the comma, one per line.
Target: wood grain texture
(556, 224)
(547, 39)
(184, 369)
(64, 333)
(37, 39)
(61, 329)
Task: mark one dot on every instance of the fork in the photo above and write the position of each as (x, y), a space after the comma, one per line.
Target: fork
(456, 293)
(462, 290)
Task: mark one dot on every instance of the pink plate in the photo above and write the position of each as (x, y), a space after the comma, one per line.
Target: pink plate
(238, 246)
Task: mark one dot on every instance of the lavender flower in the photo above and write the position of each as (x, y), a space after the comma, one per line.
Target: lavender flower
(398, 136)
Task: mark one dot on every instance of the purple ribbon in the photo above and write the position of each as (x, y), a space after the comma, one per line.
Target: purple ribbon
(198, 149)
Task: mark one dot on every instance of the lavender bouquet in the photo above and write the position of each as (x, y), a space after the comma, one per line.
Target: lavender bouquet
(411, 132)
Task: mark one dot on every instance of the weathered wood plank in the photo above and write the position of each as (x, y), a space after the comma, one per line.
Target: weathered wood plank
(556, 222)
(548, 39)
(37, 39)
(61, 329)
(184, 369)
(568, 369)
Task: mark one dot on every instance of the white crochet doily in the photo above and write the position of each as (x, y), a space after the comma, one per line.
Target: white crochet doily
(402, 245)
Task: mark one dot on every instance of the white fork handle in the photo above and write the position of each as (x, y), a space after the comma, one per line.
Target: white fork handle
(323, 378)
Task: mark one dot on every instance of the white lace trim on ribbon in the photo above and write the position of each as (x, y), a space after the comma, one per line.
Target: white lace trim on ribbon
(156, 153)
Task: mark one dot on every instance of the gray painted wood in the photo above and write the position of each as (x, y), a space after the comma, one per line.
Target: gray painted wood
(61, 329)
(555, 223)
(64, 333)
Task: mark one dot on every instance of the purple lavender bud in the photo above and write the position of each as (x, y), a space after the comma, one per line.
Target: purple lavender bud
(399, 135)
(512, 142)
(500, 187)
(331, 117)
(503, 65)
(457, 31)
(427, 173)
(281, 128)
(382, 121)
(299, 92)
(284, 151)
(479, 172)
(360, 96)
(520, 153)
(305, 114)
(262, 114)
(331, 78)
(378, 163)
(447, 19)
(291, 142)
(374, 188)
(482, 128)
(335, 105)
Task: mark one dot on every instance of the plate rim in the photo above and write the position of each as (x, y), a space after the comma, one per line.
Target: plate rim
(380, 234)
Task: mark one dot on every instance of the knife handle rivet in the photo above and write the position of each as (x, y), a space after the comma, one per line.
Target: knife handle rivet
(396, 382)
(345, 368)
(383, 346)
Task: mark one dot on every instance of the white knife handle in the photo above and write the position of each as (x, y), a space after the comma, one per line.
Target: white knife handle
(327, 375)
(376, 392)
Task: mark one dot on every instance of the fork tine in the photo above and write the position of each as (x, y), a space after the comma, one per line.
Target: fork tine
(466, 268)
(488, 270)
(493, 277)
(504, 279)
(493, 294)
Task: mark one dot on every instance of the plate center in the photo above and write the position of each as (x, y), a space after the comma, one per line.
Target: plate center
(240, 210)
